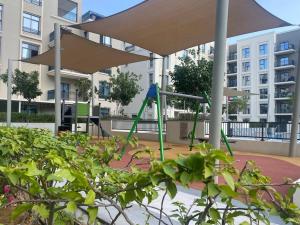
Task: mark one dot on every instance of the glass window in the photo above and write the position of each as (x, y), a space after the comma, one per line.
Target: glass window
(284, 61)
(246, 52)
(247, 109)
(68, 9)
(246, 66)
(65, 91)
(151, 79)
(104, 89)
(263, 64)
(263, 49)
(105, 40)
(202, 49)
(104, 112)
(263, 93)
(263, 108)
(246, 81)
(284, 46)
(31, 23)
(29, 50)
(35, 2)
(1, 17)
(151, 62)
(263, 78)
(185, 53)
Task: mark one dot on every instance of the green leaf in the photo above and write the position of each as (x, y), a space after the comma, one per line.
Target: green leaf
(41, 210)
(65, 173)
(19, 210)
(71, 207)
(245, 223)
(185, 178)
(170, 171)
(208, 171)
(33, 170)
(229, 180)
(90, 198)
(212, 190)
(93, 212)
(171, 189)
(13, 178)
(214, 214)
(227, 191)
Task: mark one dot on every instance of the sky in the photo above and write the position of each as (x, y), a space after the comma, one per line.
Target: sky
(288, 10)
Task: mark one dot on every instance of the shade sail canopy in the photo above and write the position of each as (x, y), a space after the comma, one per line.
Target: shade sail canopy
(82, 55)
(168, 26)
(228, 92)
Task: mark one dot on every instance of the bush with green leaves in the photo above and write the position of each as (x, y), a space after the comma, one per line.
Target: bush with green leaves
(52, 178)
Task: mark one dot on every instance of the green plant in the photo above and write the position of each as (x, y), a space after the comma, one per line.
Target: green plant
(85, 89)
(33, 118)
(52, 178)
(237, 105)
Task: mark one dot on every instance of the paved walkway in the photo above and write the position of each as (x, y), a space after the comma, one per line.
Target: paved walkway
(276, 167)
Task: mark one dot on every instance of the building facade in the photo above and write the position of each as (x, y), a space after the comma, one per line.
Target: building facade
(26, 29)
(265, 65)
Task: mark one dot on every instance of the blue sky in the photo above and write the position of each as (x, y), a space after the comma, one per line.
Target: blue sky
(288, 10)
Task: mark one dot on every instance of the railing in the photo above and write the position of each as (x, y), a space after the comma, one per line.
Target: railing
(67, 15)
(35, 2)
(284, 47)
(257, 130)
(64, 95)
(231, 71)
(232, 57)
(286, 94)
(280, 78)
(31, 30)
(285, 63)
(283, 110)
(143, 125)
(232, 83)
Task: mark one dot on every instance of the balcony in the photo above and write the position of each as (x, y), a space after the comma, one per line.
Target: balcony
(231, 72)
(286, 109)
(286, 64)
(283, 94)
(64, 95)
(284, 79)
(68, 74)
(232, 57)
(232, 83)
(285, 49)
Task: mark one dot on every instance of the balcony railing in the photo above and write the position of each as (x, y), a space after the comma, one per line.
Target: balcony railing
(35, 2)
(232, 83)
(286, 47)
(64, 95)
(232, 57)
(279, 78)
(231, 71)
(287, 94)
(31, 30)
(285, 63)
(283, 110)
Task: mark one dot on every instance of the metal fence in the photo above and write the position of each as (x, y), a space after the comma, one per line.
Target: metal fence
(143, 125)
(257, 130)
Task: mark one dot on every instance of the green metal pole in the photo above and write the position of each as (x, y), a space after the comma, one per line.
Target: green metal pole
(224, 137)
(133, 128)
(160, 133)
(194, 126)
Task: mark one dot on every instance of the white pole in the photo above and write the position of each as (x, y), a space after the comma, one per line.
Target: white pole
(296, 113)
(218, 72)
(9, 91)
(57, 77)
(163, 88)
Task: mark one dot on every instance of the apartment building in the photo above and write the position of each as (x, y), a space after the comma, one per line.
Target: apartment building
(26, 30)
(151, 72)
(265, 65)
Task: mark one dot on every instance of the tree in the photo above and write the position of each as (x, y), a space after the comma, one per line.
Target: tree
(193, 77)
(124, 87)
(84, 87)
(237, 105)
(25, 84)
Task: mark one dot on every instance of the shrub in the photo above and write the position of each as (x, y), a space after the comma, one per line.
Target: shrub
(32, 118)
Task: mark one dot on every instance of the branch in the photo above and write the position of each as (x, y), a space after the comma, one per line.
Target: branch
(162, 206)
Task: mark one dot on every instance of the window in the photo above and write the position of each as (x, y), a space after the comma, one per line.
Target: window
(151, 62)
(151, 79)
(65, 91)
(263, 93)
(284, 61)
(263, 120)
(31, 109)
(246, 66)
(104, 89)
(263, 108)
(246, 81)
(283, 46)
(246, 52)
(29, 50)
(263, 49)
(232, 81)
(35, 2)
(104, 112)
(1, 17)
(202, 49)
(247, 109)
(263, 78)
(263, 64)
(31, 23)
(105, 41)
(68, 10)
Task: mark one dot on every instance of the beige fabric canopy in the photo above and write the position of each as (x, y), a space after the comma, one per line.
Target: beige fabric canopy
(85, 56)
(168, 26)
(228, 92)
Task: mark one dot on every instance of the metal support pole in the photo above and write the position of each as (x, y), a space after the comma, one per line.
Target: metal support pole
(88, 119)
(194, 126)
(296, 113)
(99, 121)
(57, 77)
(218, 72)
(164, 108)
(76, 111)
(9, 92)
(160, 126)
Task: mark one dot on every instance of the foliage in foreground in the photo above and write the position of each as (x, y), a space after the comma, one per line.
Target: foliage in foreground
(52, 178)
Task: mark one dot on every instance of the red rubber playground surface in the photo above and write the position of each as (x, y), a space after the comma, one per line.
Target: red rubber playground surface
(277, 168)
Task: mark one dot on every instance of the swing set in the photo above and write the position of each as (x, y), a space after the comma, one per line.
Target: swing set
(154, 93)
